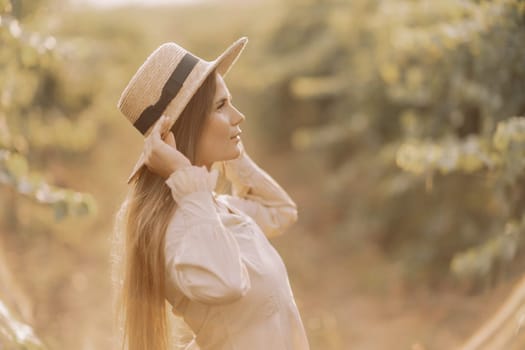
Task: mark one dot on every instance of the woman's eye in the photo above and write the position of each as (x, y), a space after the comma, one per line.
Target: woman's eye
(222, 105)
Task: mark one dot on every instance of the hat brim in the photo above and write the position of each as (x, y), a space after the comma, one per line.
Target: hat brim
(223, 64)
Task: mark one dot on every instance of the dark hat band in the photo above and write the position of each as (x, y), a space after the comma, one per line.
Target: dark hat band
(153, 112)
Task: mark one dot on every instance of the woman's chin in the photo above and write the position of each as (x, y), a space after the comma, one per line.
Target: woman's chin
(234, 154)
(237, 152)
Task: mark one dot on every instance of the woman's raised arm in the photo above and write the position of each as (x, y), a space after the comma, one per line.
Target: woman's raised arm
(257, 194)
(202, 256)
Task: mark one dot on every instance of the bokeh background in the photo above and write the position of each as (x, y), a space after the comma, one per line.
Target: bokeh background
(398, 127)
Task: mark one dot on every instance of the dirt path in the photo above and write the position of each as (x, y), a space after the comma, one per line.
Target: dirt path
(342, 310)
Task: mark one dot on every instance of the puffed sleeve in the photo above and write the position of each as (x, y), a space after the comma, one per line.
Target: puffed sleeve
(258, 195)
(202, 256)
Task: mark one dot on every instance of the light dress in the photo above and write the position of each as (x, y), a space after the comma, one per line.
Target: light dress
(223, 276)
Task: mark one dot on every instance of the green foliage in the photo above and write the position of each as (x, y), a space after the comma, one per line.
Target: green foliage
(478, 261)
(14, 172)
(43, 119)
(37, 116)
(502, 157)
(16, 335)
(426, 87)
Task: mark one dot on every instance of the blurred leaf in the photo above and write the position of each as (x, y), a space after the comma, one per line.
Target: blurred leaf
(60, 209)
(312, 87)
(16, 334)
(478, 261)
(16, 165)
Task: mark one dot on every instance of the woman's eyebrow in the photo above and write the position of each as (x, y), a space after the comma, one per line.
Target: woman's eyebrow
(223, 99)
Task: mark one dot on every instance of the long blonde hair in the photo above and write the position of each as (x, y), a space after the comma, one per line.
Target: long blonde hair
(138, 266)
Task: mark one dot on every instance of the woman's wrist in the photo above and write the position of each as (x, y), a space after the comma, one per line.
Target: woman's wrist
(174, 166)
(189, 179)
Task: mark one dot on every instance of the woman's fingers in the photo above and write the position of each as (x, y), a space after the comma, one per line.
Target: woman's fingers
(170, 140)
(151, 140)
(164, 124)
(170, 137)
(158, 126)
(160, 157)
(155, 134)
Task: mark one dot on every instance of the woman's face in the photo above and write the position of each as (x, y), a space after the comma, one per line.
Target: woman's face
(218, 141)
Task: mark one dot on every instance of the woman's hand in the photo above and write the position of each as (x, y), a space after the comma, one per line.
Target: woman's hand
(242, 150)
(162, 157)
(237, 167)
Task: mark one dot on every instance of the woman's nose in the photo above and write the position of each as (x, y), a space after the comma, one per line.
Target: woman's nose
(237, 117)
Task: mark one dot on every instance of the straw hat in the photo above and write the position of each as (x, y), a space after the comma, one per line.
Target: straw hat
(165, 83)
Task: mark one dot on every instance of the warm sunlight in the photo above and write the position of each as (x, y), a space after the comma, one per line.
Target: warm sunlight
(362, 187)
(118, 3)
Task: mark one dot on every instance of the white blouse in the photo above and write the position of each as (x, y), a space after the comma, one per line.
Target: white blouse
(222, 274)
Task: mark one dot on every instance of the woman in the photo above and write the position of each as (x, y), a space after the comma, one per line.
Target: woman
(206, 253)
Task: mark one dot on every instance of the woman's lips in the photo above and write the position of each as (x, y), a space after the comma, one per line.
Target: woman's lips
(237, 136)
